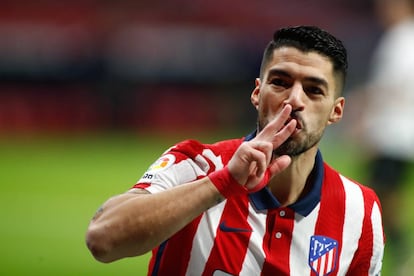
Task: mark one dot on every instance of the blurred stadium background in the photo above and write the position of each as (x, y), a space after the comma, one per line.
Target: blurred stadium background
(91, 92)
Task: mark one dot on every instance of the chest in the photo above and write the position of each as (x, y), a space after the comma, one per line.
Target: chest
(277, 242)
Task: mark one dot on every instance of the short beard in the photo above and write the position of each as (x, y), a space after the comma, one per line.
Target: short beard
(294, 148)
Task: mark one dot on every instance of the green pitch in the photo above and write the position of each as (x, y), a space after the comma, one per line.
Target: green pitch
(51, 187)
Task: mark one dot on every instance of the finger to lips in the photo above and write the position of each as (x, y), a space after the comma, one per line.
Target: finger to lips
(276, 125)
(284, 133)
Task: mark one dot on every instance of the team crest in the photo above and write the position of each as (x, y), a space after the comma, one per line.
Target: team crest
(323, 255)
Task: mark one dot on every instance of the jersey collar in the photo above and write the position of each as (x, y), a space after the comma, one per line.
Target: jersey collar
(264, 199)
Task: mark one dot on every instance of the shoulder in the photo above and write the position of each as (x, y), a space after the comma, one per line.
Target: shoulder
(354, 191)
(192, 148)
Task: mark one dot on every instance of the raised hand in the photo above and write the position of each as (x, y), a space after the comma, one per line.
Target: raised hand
(253, 165)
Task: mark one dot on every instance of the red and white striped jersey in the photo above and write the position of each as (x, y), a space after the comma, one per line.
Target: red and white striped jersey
(335, 229)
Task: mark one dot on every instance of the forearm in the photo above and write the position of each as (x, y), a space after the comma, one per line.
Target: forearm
(133, 224)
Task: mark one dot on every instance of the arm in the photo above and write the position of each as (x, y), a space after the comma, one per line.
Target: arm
(133, 223)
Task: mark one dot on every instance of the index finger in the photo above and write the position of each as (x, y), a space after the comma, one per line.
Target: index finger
(274, 126)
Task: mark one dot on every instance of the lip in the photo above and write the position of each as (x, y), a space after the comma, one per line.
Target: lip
(296, 131)
(299, 125)
(298, 122)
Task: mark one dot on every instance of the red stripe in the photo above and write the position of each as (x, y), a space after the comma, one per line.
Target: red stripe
(331, 215)
(276, 242)
(152, 261)
(229, 250)
(171, 263)
(141, 185)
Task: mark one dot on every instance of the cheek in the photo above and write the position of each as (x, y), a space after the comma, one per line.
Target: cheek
(318, 121)
(269, 104)
(266, 112)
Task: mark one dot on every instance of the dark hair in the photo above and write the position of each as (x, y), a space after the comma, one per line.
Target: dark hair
(307, 39)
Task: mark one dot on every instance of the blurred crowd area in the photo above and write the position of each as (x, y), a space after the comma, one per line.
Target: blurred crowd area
(75, 66)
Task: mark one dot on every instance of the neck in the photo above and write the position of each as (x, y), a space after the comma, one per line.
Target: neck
(292, 184)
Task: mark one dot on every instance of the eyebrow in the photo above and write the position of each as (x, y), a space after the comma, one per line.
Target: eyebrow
(280, 72)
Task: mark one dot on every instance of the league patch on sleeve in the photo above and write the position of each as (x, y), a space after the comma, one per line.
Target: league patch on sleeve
(161, 164)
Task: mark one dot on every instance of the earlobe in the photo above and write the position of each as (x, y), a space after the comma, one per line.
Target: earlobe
(337, 110)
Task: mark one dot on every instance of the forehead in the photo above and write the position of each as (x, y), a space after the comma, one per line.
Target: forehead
(301, 64)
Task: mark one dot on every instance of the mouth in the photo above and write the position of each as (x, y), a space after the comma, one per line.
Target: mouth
(298, 122)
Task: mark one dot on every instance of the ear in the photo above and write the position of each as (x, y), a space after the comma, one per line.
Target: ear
(337, 111)
(254, 98)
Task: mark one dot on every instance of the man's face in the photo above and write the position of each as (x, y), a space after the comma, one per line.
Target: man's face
(305, 81)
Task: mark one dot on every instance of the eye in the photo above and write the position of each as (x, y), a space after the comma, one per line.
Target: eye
(279, 82)
(314, 90)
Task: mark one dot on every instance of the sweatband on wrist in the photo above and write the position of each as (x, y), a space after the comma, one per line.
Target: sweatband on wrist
(226, 184)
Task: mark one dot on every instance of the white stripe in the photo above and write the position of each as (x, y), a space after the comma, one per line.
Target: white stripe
(303, 229)
(255, 255)
(323, 264)
(330, 260)
(354, 216)
(203, 240)
(182, 172)
(378, 240)
(315, 264)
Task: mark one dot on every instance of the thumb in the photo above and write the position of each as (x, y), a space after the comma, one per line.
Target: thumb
(261, 184)
(279, 164)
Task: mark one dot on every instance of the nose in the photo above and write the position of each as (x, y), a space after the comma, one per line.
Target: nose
(295, 97)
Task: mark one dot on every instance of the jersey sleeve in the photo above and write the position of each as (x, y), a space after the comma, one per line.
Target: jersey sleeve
(180, 164)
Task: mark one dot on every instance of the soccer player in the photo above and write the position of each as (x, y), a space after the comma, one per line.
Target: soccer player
(265, 204)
